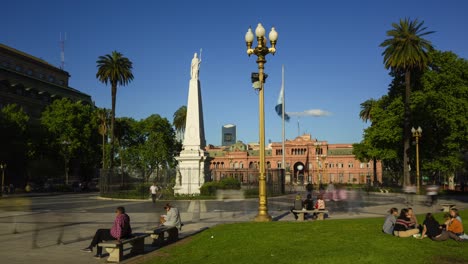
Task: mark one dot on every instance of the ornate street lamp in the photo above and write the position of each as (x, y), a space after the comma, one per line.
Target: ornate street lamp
(261, 51)
(3, 168)
(417, 134)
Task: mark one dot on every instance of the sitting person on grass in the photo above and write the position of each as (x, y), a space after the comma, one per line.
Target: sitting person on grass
(453, 225)
(390, 220)
(120, 229)
(433, 230)
(403, 225)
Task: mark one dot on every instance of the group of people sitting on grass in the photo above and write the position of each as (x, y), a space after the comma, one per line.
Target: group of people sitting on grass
(406, 224)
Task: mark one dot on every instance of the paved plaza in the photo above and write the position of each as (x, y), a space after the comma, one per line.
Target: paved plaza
(53, 228)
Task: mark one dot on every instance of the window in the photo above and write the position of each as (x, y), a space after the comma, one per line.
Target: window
(19, 68)
(29, 72)
(350, 165)
(51, 79)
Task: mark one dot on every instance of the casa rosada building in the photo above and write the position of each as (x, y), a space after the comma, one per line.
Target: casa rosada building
(307, 160)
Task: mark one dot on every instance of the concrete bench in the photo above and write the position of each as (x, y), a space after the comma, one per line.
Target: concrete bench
(116, 248)
(301, 213)
(447, 206)
(159, 233)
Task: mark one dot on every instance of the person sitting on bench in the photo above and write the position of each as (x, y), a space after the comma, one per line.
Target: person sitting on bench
(172, 217)
(120, 229)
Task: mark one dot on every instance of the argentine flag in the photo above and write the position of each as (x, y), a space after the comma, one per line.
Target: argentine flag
(279, 104)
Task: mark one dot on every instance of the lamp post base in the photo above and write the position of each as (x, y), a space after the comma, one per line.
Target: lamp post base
(263, 218)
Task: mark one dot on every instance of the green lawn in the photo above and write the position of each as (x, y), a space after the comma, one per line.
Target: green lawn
(329, 241)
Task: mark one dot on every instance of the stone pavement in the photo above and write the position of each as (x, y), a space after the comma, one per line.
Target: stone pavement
(56, 236)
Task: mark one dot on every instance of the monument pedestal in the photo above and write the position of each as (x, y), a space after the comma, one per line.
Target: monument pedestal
(191, 172)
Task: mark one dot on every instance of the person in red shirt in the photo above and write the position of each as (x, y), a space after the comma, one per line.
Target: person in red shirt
(120, 229)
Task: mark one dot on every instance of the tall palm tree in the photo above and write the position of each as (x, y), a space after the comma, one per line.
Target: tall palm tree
(180, 117)
(366, 108)
(115, 69)
(366, 115)
(406, 51)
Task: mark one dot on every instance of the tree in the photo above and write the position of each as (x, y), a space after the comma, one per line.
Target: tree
(439, 104)
(71, 127)
(103, 117)
(406, 51)
(366, 108)
(15, 141)
(180, 116)
(153, 147)
(115, 69)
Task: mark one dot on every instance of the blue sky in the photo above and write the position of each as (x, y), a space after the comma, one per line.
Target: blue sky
(330, 50)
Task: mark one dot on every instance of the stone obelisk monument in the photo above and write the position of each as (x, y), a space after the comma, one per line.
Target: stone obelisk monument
(192, 168)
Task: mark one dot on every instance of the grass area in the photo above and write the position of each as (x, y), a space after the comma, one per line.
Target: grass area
(329, 241)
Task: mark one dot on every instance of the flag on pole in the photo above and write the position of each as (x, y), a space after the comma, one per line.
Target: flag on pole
(280, 104)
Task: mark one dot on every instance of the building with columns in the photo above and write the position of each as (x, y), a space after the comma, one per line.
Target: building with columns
(307, 160)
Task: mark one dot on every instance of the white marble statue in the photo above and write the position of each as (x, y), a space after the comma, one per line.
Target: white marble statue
(195, 67)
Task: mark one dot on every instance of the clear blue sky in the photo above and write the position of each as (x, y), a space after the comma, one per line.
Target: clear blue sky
(330, 50)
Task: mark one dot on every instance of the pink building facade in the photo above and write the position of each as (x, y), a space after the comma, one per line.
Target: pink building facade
(307, 160)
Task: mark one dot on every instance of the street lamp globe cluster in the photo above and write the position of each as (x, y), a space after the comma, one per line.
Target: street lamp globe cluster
(417, 133)
(261, 50)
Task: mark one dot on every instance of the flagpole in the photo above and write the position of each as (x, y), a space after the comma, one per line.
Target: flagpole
(282, 119)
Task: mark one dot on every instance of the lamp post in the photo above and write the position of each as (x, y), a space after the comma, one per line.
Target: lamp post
(3, 167)
(417, 134)
(261, 51)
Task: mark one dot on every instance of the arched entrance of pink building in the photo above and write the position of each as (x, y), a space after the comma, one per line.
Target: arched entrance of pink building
(300, 175)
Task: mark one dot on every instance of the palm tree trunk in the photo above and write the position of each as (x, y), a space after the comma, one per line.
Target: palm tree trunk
(103, 151)
(406, 130)
(114, 95)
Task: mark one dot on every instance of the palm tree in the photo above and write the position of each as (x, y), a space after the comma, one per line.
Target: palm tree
(366, 109)
(406, 51)
(180, 117)
(103, 117)
(115, 69)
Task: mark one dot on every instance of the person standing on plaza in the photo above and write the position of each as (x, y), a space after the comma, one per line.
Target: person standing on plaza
(390, 220)
(120, 229)
(154, 191)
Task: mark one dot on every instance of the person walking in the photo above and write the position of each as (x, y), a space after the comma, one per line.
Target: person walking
(120, 229)
(154, 191)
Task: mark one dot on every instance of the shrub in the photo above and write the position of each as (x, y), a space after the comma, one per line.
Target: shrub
(209, 188)
(229, 183)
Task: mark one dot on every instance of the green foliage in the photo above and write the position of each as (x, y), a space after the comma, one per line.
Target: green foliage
(229, 183)
(209, 188)
(72, 131)
(439, 104)
(329, 241)
(15, 141)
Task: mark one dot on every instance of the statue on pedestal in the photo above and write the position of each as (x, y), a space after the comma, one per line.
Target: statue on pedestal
(195, 67)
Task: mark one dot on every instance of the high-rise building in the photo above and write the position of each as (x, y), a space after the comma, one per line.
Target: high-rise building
(228, 136)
